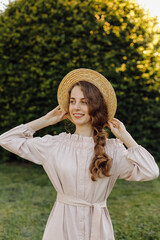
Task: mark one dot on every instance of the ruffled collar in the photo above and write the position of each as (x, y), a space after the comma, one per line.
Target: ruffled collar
(77, 140)
(83, 141)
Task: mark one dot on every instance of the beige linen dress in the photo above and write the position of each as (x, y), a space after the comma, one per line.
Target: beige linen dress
(79, 212)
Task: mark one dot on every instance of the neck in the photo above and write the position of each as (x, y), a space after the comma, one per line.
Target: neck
(83, 131)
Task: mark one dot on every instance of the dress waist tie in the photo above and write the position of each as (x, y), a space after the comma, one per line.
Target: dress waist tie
(95, 227)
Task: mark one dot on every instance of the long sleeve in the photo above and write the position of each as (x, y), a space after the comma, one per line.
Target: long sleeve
(20, 141)
(144, 167)
(135, 163)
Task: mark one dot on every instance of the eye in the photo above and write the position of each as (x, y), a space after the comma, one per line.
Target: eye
(71, 101)
(84, 102)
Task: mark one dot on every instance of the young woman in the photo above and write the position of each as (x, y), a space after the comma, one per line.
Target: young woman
(83, 167)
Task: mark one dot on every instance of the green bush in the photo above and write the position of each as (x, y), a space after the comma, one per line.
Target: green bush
(42, 40)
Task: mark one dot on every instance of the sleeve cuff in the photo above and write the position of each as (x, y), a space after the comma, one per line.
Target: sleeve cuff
(29, 128)
(134, 147)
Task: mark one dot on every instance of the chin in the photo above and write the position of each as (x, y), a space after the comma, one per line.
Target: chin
(78, 122)
(82, 123)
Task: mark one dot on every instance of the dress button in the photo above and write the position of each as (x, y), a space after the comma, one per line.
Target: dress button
(82, 219)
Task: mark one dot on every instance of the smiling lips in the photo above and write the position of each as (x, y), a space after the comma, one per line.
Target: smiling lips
(78, 115)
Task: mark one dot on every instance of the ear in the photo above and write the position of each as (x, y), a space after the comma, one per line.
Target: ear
(92, 120)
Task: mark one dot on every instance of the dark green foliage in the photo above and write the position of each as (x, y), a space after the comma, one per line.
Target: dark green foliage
(42, 40)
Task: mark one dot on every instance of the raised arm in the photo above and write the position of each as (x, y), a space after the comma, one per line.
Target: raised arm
(119, 130)
(51, 118)
(20, 140)
(135, 163)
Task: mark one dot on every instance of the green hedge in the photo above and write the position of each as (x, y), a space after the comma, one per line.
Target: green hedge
(42, 40)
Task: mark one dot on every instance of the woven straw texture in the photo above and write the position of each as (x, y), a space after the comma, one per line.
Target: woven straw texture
(84, 74)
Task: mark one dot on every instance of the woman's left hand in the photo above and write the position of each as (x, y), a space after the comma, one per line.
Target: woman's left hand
(117, 128)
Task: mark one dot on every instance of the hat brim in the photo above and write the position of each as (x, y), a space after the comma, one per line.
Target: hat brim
(84, 74)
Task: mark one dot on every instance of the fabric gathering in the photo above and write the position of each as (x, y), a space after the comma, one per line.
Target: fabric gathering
(80, 210)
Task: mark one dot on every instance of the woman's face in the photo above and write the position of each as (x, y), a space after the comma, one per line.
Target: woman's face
(78, 107)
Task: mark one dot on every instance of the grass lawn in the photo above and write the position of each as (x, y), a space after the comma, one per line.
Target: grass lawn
(27, 197)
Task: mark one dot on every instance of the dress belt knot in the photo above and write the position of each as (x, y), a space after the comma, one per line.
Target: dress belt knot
(96, 217)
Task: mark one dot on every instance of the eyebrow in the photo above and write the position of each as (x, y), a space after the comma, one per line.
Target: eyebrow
(74, 98)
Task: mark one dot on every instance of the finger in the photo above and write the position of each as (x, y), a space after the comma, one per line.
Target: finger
(111, 121)
(120, 124)
(65, 116)
(60, 109)
(116, 123)
(110, 124)
(107, 125)
(57, 107)
(117, 120)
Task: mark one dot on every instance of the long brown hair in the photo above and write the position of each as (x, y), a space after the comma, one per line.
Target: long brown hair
(101, 163)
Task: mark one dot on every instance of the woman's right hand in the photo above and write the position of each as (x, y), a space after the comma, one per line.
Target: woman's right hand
(56, 115)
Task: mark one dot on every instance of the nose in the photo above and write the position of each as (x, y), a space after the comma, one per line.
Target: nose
(77, 105)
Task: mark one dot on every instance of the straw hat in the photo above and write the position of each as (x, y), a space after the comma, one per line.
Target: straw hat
(84, 74)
